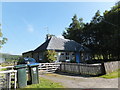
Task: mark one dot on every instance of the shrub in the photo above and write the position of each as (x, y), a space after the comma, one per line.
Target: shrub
(49, 56)
(72, 61)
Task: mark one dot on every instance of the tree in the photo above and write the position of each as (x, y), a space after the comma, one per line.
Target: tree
(50, 56)
(101, 35)
(2, 39)
(74, 31)
(111, 19)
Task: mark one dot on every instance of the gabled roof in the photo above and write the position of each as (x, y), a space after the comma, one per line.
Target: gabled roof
(28, 52)
(55, 43)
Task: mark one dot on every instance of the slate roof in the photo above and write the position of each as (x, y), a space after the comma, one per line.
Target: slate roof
(55, 43)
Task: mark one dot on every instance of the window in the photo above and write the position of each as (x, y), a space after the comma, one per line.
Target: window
(73, 54)
(62, 53)
(67, 53)
(67, 58)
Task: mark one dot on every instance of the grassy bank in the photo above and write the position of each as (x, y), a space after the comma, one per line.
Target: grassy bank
(44, 83)
(115, 74)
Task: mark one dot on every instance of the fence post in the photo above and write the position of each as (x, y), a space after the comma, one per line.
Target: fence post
(15, 81)
(78, 68)
(103, 68)
(8, 80)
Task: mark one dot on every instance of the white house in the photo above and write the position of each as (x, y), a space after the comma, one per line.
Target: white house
(65, 49)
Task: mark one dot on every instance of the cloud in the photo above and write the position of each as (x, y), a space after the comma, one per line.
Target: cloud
(29, 27)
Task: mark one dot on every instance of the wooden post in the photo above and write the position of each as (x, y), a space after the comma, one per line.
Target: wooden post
(103, 68)
(15, 81)
(9, 80)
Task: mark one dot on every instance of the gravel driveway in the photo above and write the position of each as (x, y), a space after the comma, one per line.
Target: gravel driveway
(81, 82)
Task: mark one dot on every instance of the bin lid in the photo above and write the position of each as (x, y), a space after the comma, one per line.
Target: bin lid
(20, 66)
(33, 64)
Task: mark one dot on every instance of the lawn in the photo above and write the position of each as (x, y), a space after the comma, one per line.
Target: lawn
(44, 83)
(115, 74)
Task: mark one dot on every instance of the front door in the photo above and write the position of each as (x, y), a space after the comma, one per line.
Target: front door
(77, 57)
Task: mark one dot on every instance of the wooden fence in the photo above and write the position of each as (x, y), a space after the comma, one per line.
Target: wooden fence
(111, 66)
(6, 78)
(77, 68)
(49, 67)
(89, 69)
(83, 69)
(7, 67)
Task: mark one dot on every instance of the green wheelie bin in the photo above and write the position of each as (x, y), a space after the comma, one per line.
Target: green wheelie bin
(21, 75)
(33, 74)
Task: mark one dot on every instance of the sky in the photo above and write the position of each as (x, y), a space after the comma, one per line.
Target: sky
(26, 24)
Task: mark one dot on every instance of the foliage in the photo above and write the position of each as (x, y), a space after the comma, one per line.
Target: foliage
(73, 61)
(115, 74)
(50, 56)
(4, 69)
(2, 39)
(101, 35)
(21, 60)
(7, 64)
(74, 31)
(45, 83)
(9, 57)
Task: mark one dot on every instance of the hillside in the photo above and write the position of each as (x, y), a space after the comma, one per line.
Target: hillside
(8, 57)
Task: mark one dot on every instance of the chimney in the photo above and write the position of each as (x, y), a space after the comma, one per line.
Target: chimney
(48, 36)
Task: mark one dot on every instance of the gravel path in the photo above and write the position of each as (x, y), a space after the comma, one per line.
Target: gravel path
(82, 82)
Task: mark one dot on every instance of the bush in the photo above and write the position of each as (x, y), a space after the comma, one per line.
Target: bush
(72, 61)
(50, 56)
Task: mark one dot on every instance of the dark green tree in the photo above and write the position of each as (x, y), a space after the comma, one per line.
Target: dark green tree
(74, 31)
(101, 35)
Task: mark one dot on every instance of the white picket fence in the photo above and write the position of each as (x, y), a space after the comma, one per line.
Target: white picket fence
(8, 67)
(6, 78)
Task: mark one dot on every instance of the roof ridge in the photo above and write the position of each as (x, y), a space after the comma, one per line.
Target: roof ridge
(49, 42)
(46, 42)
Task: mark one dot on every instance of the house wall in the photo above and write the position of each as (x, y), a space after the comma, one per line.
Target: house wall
(62, 56)
(84, 56)
(41, 55)
(29, 54)
(35, 56)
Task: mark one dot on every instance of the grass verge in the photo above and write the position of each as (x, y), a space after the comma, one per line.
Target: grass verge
(44, 83)
(115, 74)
